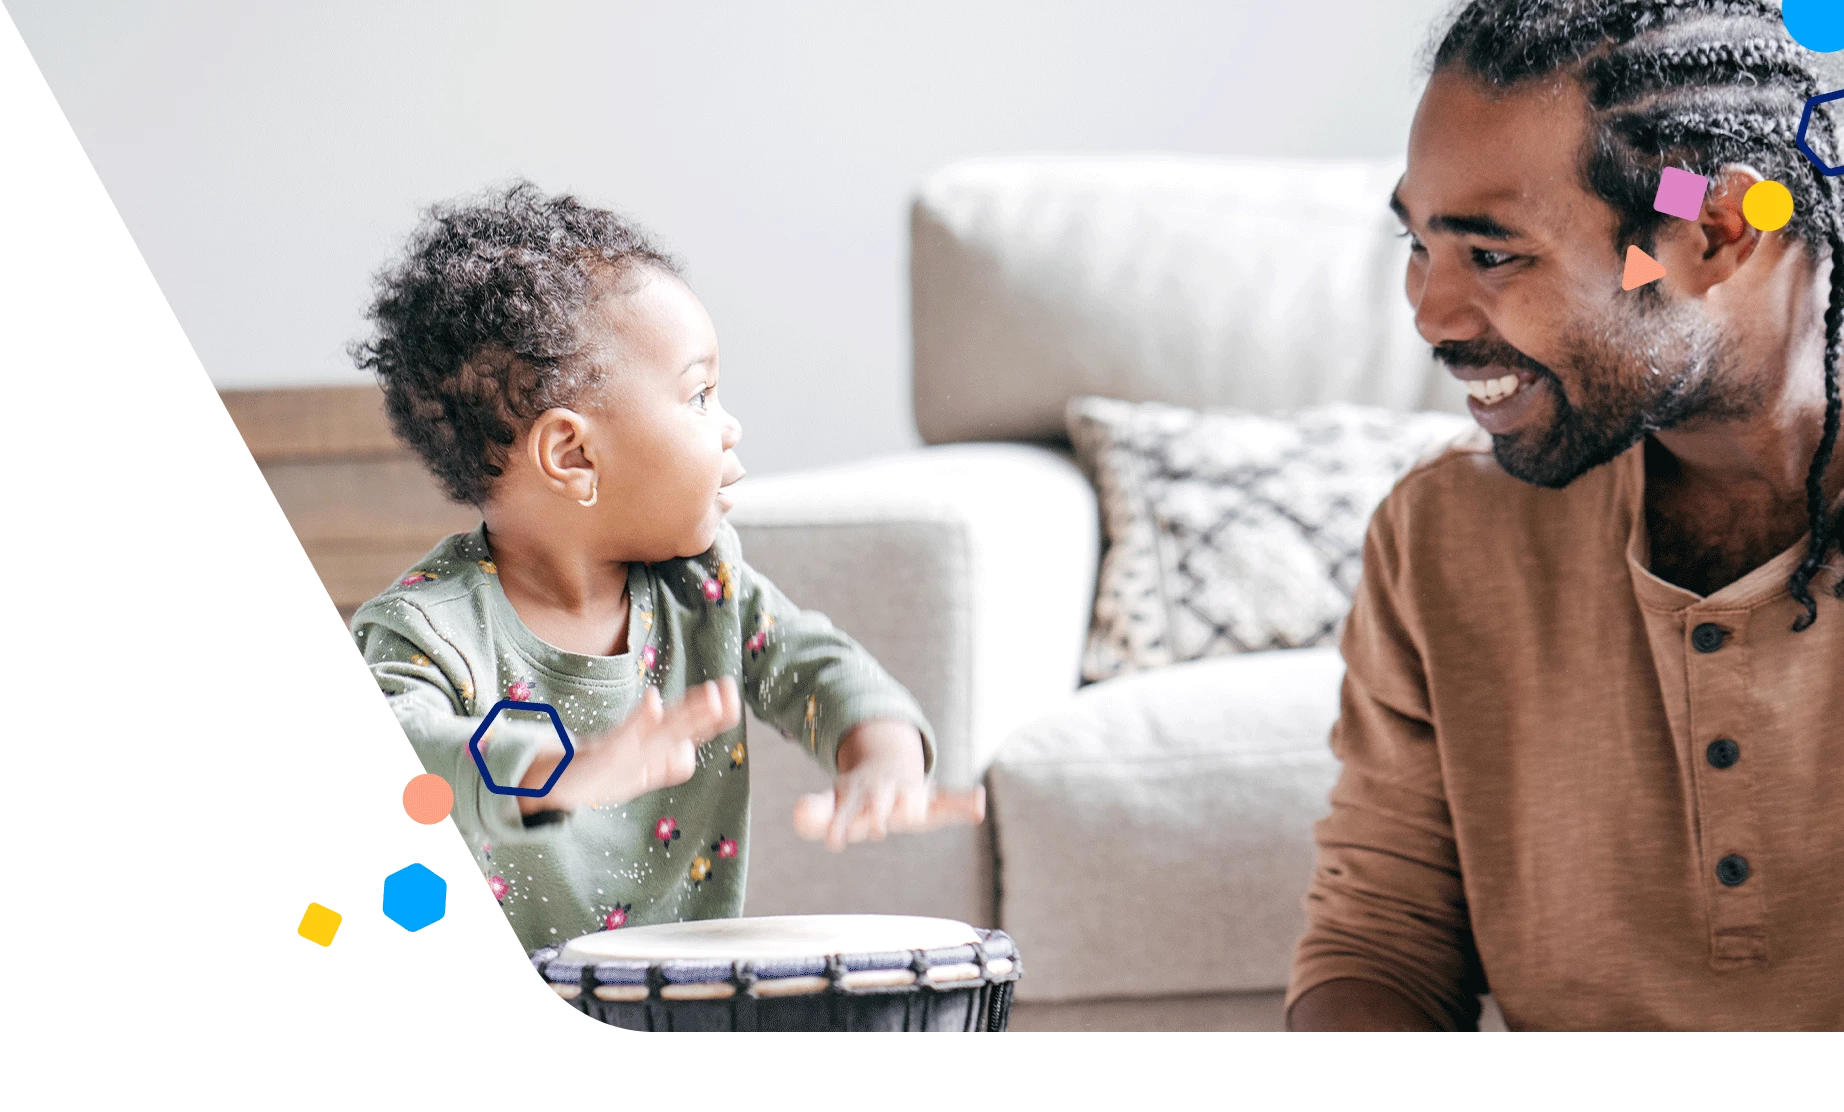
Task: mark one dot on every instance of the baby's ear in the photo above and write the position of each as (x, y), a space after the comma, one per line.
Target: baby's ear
(556, 447)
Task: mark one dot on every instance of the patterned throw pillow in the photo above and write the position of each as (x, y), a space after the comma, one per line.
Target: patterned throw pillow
(1232, 532)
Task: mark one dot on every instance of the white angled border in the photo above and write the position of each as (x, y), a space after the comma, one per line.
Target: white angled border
(179, 332)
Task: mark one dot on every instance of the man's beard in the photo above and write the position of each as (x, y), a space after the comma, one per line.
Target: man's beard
(1627, 387)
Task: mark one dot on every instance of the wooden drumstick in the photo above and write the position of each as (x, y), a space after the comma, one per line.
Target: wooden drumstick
(813, 813)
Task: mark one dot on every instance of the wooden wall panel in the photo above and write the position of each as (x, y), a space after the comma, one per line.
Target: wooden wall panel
(361, 505)
(312, 422)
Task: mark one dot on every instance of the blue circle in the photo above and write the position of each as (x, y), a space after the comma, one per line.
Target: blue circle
(1815, 24)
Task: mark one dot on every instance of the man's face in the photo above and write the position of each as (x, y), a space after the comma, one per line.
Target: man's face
(1515, 279)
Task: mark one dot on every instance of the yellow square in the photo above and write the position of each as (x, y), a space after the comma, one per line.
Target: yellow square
(319, 924)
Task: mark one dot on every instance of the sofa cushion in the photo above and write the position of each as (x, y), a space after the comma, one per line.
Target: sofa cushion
(1265, 284)
(1154, 835)
(1230, 531)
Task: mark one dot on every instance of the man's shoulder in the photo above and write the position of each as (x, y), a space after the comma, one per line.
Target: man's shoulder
(1462, 465)
(1459, 492)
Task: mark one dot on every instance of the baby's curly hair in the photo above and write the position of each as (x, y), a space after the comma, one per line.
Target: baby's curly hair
(479, 326)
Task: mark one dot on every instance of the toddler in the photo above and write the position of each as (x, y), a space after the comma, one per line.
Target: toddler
(551, 368)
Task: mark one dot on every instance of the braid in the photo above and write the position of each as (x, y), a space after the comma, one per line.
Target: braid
(1823, 529)
(1698, 85)
(1760, 61)
(1509, 41)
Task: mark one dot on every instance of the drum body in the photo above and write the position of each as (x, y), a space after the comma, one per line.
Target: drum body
(790, 973)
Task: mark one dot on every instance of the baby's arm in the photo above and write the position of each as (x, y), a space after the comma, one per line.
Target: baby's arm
(655, 747)
(809, 679)
(429, 688)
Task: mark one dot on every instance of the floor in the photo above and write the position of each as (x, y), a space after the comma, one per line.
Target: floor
(1259, 1011)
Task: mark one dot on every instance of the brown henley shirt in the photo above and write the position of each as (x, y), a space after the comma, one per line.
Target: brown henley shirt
(1618, 802)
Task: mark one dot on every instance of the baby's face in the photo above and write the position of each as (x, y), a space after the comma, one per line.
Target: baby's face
(663, 446)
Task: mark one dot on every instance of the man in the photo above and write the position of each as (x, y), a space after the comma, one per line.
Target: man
(1592, 725)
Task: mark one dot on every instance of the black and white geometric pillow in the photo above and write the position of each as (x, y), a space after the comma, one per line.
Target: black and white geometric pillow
(1232, 532)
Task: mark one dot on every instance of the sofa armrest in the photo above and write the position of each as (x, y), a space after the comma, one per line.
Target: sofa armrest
(968, 570)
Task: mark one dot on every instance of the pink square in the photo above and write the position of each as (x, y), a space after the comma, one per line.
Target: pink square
(1680, 193)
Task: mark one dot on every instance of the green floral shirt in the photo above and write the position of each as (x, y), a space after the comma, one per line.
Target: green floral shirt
(445, 644)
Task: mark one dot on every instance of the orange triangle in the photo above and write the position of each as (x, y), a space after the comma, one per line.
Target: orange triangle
(1640, 269)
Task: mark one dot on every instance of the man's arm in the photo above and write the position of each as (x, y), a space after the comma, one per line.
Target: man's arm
(1388, 943)
(1353, 1005)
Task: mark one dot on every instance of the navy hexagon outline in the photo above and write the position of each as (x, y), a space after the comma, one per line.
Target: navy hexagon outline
(1805, 121)
(480, 762)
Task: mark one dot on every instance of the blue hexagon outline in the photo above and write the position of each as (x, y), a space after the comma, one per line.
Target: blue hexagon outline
(480, 762)
(1805, 121)
(411, 869)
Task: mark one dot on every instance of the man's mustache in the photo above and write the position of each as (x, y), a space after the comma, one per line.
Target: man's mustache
(1487, 353)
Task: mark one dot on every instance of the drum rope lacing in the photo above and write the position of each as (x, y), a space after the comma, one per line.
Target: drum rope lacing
(994, 960)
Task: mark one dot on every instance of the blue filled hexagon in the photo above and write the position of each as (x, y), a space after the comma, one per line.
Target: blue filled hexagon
(414, 897)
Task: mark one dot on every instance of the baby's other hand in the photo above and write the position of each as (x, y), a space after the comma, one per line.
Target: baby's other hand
(654, 747)
(881, 787)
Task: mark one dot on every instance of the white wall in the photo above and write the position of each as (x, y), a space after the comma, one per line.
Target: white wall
(267, 158)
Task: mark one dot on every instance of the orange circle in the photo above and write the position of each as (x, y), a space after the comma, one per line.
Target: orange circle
(428, 798)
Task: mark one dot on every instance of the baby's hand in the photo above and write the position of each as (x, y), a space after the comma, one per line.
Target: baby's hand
(881, 787)
(653, 748)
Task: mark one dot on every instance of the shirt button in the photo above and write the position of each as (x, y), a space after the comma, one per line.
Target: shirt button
(1722, 752)
(1732, 870)
(1707, 637)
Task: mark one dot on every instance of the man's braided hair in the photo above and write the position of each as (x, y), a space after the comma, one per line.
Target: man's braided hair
(1696, 84)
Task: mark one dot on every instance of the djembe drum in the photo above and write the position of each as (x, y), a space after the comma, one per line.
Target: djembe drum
(790, 973)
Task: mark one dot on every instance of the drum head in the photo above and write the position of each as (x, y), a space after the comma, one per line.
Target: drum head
(770, 937)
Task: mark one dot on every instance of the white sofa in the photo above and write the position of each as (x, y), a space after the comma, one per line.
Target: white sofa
(1150, 836)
